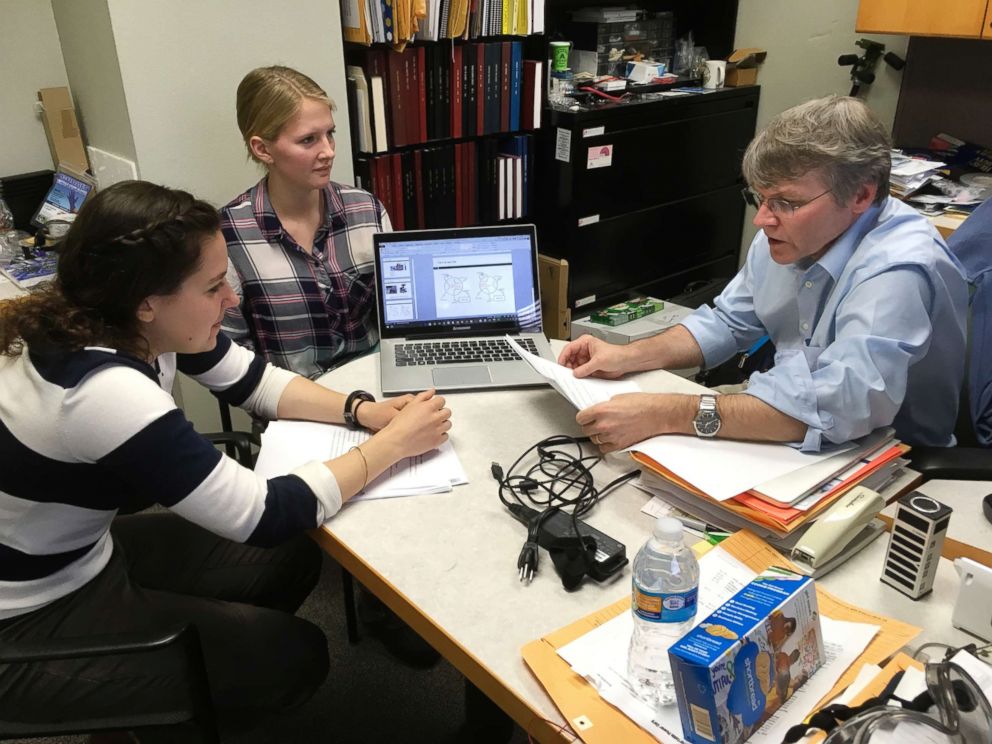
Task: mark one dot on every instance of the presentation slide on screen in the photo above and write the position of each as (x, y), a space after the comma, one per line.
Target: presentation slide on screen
(476, 285)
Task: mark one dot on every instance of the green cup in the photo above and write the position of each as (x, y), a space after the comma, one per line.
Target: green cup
(559, 55)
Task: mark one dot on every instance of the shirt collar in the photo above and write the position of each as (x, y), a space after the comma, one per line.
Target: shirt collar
(271, 226)
(836, 258)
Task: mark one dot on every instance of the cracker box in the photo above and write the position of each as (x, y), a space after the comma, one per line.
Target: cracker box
(734, 669)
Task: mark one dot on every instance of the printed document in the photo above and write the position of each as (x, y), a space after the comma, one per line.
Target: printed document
(289, 444)
(580, 392)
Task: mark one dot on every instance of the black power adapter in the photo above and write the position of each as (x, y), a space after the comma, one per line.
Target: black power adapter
(586, 552)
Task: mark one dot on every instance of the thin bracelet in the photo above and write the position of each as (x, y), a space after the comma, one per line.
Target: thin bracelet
(365, 465)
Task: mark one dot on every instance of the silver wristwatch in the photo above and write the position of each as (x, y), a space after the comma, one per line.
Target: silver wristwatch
(707, 421)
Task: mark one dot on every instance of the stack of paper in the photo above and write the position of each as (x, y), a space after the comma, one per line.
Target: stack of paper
(776, 508)
(289, 444)
(910, 174)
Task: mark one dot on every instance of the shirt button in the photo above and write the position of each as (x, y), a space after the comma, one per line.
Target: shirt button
(809, 285)
(805, 326)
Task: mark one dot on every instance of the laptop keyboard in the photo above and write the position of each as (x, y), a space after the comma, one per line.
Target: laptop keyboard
(459, 352)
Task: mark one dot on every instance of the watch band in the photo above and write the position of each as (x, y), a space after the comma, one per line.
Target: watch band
(350, 406)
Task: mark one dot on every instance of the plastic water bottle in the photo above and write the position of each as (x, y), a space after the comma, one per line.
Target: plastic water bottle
(663, 603)
(6, 216)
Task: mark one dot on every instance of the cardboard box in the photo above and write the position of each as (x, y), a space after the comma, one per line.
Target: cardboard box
(742, 67)
(737, 667)
(62, 129)
(649, 325)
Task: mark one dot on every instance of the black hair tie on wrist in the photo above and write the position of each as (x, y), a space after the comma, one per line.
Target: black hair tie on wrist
(351, 407)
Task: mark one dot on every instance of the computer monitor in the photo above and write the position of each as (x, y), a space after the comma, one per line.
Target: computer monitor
(62, 202)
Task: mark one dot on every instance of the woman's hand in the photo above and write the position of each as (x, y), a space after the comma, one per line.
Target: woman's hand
(420, 426)
(376, 416)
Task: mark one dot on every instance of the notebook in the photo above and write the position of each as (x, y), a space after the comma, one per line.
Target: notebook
(447, 298)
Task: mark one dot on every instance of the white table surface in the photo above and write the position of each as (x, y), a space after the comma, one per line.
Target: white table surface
(451, 558)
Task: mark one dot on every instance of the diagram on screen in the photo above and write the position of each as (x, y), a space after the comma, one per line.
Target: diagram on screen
(489, 289)
(454, 289)
(478, 285)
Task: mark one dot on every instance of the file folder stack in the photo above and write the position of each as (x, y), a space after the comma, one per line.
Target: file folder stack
(780, 508)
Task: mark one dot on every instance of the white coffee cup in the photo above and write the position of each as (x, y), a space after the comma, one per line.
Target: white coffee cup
(716, 71)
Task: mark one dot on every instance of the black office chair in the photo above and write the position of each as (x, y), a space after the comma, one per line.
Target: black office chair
(189, 719)
(972, 458)
(237, 444)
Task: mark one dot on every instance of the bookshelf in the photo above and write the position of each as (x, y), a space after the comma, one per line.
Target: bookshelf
(443, 130)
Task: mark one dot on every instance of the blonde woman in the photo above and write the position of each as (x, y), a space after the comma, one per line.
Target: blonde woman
(300, 244)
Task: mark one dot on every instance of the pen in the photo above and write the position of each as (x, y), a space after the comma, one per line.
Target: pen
(754, 347)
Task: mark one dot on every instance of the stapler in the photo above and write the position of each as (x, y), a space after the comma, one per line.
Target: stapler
(840, 532)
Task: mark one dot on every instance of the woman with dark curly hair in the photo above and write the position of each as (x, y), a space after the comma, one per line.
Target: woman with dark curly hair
(88, 427)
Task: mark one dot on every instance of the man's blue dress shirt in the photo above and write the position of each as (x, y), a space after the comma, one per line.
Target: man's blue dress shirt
(872, 334)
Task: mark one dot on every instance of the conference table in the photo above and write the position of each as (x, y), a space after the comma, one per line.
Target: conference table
(447, 563)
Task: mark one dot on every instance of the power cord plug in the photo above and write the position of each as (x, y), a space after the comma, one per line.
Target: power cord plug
(527, 560)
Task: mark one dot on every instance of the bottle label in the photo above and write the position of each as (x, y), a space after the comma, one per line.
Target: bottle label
(673, 607)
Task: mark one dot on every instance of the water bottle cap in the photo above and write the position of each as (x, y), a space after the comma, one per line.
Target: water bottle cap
(668, 528)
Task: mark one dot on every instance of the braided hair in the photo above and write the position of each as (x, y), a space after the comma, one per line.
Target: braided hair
(131, 241)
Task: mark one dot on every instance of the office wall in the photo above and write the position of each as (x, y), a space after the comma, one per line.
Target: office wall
(91, 64)
(804, 39)
(180, 65)
(30, 59)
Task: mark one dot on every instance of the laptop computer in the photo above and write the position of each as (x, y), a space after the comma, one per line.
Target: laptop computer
(447, 298)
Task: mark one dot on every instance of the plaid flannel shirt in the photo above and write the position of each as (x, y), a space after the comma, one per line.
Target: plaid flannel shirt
(307, 313)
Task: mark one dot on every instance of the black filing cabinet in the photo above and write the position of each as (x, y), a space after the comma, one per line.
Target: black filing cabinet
(644, 197)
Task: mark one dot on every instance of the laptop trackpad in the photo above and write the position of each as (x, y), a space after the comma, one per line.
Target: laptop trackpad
(459, 376)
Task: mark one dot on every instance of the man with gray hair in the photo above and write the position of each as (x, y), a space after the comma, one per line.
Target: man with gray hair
(857, 291)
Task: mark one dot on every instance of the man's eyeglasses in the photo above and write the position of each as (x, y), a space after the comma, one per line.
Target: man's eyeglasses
(779, 207)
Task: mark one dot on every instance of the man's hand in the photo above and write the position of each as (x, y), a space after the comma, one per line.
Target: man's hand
(590, 356)
(629, 418)
(375, 416)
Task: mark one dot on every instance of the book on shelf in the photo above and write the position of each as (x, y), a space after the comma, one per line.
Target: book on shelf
(530, 97)
(399, 23)
(426, 93)
(452, 184)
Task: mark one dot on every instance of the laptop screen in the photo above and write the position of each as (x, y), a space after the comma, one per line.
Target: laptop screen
(458, 282)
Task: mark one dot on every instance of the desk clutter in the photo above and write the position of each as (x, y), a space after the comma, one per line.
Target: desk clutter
(772, 489)
(583, 666)
(950, 176)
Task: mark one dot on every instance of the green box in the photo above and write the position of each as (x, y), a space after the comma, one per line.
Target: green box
(624, 312)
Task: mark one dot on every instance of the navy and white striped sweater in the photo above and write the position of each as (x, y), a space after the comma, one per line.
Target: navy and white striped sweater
(86, 433)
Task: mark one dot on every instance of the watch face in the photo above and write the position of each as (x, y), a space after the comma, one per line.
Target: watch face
(706, 423)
